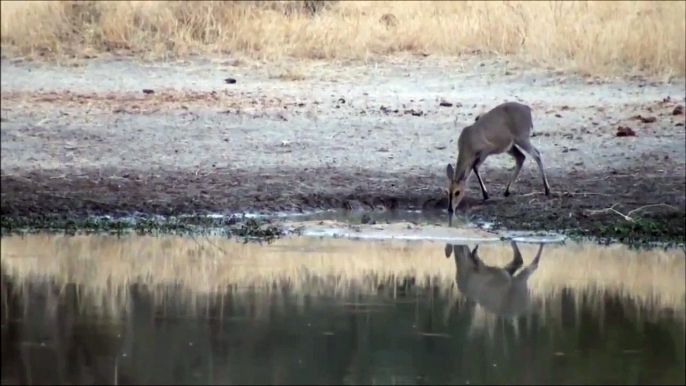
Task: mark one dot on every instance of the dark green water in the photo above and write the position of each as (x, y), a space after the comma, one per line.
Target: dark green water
(248, 337)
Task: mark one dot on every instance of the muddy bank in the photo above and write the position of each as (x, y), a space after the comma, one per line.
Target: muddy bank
(87, 140)
(574, 207)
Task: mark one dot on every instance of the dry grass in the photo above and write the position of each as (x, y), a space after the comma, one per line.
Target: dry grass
(289, 73)
(616, 37)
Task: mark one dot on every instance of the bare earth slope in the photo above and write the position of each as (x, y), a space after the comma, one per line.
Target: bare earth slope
(86, 139)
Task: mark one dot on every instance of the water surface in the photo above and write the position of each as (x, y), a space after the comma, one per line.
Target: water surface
(199, 310)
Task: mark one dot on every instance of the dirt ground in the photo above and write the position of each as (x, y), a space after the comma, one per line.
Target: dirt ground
(85, 138)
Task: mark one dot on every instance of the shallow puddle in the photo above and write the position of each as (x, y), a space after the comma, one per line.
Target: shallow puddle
(206, 310)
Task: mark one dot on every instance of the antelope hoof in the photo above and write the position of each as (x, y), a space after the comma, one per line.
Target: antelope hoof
(547, 192)
(507, 193)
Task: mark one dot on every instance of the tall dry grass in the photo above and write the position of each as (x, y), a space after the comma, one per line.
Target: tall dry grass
(611, 38)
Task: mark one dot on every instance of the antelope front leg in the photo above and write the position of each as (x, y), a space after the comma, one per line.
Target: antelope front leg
(475, 167)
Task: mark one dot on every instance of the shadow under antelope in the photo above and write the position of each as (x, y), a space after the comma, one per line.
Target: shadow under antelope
(497, 289)
(504, 129)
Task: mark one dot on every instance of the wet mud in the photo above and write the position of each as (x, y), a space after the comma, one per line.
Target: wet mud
(576, 204)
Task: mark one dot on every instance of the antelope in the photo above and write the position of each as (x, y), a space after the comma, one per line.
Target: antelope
(498, 290)
(504, 129)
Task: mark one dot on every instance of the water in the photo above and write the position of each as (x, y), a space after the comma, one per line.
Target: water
(147, 310)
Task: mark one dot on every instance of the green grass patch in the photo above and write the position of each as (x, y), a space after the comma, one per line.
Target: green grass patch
(248, 229)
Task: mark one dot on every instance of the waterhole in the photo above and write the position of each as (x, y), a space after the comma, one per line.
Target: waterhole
(306, 310)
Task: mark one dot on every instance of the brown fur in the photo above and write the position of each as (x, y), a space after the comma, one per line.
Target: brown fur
(504, 129)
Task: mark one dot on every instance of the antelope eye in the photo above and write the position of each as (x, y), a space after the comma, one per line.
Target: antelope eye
(456, 193)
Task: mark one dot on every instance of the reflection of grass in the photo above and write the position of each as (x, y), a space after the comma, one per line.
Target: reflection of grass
(652, 279)
(591, 36)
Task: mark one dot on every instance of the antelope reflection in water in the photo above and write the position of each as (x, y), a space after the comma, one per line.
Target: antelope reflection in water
(497, 290)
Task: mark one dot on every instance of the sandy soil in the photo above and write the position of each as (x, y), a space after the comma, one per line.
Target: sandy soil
(84, 138)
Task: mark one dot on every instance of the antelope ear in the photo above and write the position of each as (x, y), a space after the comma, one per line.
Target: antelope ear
(448, 250)
(449, 171)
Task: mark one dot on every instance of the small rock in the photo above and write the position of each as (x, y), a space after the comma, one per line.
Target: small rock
(558, 115)
(230, 80)
(415, 113)
(648, 119)
(148, 91)
(625, 132)
(387, 110)
(445, 104)
(679, 110)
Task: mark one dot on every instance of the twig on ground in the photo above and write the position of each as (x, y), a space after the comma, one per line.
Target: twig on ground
(627, 216)
(590, 194)
(610, 209)
(611, 176)
(530, 194)
(651, 205)
(535, 193)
